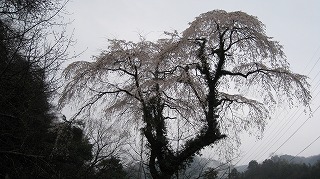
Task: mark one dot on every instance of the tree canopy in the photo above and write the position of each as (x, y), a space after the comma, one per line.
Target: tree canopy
(270, 168)
(220, 76)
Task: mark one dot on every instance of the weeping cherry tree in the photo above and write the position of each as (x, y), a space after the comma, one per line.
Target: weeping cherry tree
(220, 76)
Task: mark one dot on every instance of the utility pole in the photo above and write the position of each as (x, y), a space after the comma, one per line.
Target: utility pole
(229, 176)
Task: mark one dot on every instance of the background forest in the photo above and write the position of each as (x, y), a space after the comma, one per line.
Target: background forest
(279, 167)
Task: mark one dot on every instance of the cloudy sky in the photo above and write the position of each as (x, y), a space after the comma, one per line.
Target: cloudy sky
(294, 23)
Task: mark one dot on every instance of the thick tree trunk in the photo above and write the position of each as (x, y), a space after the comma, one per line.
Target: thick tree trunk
(163, 162)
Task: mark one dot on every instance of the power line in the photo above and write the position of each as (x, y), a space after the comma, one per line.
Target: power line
(317, 85)
(305, 148)
(292, 114)
(280, 129)
(295, 131)
(259, 149)
(314, 54)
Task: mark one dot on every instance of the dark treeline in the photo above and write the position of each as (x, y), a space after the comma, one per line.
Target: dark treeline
(275, 168)
(34, 141)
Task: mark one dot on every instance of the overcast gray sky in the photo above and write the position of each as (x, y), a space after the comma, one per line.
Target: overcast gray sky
(294, 23)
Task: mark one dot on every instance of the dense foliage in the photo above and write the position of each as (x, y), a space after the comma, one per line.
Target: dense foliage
(34, 141)
(278, 169)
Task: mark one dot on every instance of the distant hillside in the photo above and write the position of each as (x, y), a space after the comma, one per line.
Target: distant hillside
(241, 168)
(199, 165)
(312, 160)
(298, 160)
(194, 170)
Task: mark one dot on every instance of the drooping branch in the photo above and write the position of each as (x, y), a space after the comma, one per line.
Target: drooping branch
(91, 102)
(226, 72)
